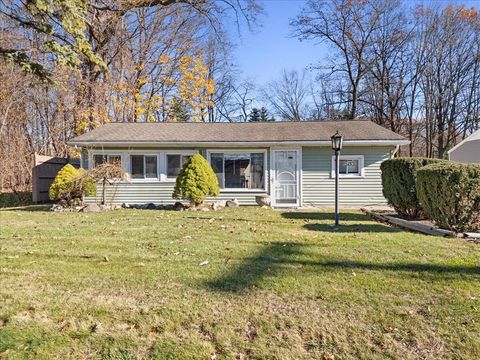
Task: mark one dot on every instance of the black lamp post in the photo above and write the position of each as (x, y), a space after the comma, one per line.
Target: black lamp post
(337, 142)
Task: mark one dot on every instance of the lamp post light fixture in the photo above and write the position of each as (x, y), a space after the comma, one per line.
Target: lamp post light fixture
(337, 143)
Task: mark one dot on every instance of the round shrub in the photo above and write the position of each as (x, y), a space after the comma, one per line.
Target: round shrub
(449, 193)
(66, 184)
(398, 180)
(195, 181)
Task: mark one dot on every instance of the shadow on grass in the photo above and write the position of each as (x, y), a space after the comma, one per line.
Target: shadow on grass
(322, 215)
(43, 207)
(265, 262)
(280, 256)
(353, 228)
(346, 224)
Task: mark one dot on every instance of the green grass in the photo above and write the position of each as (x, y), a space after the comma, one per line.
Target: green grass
(278, 285)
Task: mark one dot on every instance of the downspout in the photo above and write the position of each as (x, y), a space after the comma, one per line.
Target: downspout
(394, 152)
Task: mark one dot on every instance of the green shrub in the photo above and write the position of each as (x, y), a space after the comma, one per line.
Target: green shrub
(398, 180)
(195, 181)
(16, 198)
(66, 185)
(449, 193)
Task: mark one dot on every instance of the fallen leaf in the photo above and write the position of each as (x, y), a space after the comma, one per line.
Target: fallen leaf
(204, 263)
(106, 259)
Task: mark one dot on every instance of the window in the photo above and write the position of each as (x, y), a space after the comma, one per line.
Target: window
(175, 163)
(241, 170)
(143, 166)
(350, 165)
(111, 159)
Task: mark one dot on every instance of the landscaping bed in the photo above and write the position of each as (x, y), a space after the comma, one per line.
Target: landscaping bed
(240, 283)
(421, 225)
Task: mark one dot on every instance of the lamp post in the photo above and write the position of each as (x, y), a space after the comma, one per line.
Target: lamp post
(337, 142)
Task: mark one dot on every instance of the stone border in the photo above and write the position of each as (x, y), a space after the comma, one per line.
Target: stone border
(416, 227)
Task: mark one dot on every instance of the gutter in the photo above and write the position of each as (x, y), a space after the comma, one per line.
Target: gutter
(236, 143)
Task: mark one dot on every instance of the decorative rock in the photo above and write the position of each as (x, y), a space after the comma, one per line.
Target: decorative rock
(57, 208)
(169, 207)
(232, 203)
(150, 206)
(91, 208)
(218, 205)
(125, 206)
(263, 200)
(76, 202)
(178, 206)
(160, 207)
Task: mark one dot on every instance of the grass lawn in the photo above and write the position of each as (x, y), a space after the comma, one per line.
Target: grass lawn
(129, 284)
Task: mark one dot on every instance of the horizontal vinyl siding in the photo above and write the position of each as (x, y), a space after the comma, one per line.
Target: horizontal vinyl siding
(136, 193)
(159, 193)
(318, 187)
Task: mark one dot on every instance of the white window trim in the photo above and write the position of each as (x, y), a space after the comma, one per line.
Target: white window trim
(240, 151)
(145, 179)
(360, 159)
(92, 154)
(164, 177)
(126, 163)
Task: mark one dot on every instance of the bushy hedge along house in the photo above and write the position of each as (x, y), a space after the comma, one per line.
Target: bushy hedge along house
(291, 161)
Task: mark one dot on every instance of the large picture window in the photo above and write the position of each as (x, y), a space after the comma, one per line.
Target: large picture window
(242, 170)
(143, 166)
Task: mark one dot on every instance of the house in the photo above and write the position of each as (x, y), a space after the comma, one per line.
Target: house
(291, 161)
(468, 150)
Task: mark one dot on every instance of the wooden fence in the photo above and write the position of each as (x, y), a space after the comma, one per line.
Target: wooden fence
(43, 172)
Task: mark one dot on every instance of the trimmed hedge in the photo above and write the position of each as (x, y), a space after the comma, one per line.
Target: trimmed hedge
(13, 199)
(398, 180)
(196, 180)
(449, 193)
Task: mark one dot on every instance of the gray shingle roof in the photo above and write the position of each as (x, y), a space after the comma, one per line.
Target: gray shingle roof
(225, 132)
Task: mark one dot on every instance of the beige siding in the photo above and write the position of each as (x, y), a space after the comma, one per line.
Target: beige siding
(318, 186)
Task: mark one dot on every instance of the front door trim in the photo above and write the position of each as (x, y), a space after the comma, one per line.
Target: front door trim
(298, 151)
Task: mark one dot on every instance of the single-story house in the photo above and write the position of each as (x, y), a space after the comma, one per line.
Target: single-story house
(291, 161)
(468, 150)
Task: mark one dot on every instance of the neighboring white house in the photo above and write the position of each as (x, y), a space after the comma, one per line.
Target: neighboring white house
(468, 150)
(291, 161)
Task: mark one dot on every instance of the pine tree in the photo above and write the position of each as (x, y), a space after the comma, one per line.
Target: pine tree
(179, 112)
(264, 115)
(254, 115)
(195, 181)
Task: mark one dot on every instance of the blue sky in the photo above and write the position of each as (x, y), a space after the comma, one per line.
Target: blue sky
(262, 54)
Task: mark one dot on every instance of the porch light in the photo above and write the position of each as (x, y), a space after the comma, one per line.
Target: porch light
(337, 142)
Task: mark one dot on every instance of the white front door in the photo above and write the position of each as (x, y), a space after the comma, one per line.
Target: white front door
(285, 178)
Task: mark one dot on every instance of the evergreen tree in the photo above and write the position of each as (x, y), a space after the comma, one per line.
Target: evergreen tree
(264, 115)
(179, 111)
(254, 115)
(195, 181)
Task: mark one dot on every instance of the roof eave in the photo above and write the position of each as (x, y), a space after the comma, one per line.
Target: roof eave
(236, 143)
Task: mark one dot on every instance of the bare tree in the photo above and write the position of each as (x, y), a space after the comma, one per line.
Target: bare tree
(347, 26)
(288, 96)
